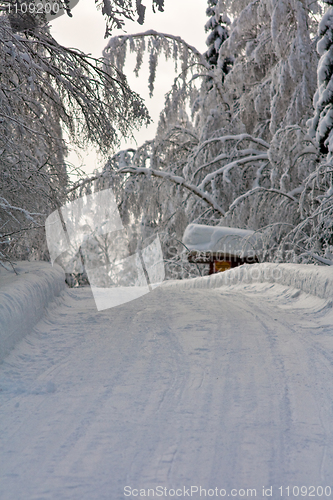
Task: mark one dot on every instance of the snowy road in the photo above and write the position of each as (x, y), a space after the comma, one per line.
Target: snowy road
(227, 388)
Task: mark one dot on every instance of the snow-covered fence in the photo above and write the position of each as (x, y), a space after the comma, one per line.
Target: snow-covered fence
(23, 299)
(315, 280)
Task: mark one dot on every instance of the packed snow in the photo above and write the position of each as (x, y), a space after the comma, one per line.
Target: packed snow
(24, 295)
(231, 240)
(218, 383)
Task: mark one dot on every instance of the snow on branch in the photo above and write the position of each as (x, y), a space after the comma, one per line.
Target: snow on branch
(226, 168)
(158, 43)
(225, 138)
(256, 190)
(89, 96)
(224, 156)
(7, 207)
(322, 260)
(306, 151)
(177, 180)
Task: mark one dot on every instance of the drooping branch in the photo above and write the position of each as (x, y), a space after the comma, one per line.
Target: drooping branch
(224, 156)
(226, 138)
(180, 181)
(256, 190)
(123, 39)
(90, 96)
(226, 168)
(177, 180)
(186, 54)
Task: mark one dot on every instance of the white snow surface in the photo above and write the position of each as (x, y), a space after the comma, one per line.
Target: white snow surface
(203, 238)
(219, 382)
(24, 297)
(311, 279)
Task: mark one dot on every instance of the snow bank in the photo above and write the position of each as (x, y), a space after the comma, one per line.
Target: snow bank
(315, 280)
(24, 297)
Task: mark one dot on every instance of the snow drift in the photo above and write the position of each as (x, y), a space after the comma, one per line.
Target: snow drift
(315, 280)
(24, 297)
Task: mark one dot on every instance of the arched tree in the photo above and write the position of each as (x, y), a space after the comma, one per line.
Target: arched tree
(244, 157)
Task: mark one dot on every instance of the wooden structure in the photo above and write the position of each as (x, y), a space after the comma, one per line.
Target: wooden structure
(219, 261)
(221, 247)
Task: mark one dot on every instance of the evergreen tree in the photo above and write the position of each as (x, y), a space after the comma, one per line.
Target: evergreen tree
(321, 125)
(217, 26)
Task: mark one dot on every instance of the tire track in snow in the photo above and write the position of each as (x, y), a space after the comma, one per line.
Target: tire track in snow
(223, 388)
(309, 430)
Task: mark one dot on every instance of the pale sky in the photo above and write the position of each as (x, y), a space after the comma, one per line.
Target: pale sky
(85, 31)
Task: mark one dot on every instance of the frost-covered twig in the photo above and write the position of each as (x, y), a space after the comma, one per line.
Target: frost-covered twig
(5, 205)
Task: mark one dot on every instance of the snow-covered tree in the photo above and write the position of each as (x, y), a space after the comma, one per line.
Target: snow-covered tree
(244, 157)
(116, 11)
(43, 88)
(217, 27)
(314, 234)
(321, 125)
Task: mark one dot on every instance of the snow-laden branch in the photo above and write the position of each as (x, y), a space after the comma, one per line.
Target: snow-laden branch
(226, 168)
(224, 156)
(80, 184)
(225, 138)
(89, 95)
(183, 130)
(256, 190)
(307, 151)
(158, 34)
(320, 259)
(177, 180)
(7, 207)
(116, 52)
(297, 190)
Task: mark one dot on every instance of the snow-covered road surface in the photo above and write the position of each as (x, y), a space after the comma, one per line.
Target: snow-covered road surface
(228, 388)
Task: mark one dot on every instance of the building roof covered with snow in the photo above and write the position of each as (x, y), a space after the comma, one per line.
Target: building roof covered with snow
(224, 240)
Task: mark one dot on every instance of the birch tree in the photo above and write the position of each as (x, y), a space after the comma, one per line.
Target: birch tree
(44, 88)
(233, 147)
(244, 156)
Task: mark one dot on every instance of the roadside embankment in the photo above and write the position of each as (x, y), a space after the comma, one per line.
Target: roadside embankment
(24, 297)
(315, 280)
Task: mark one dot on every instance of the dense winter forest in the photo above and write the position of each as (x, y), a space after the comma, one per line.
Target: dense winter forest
(245, 138)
